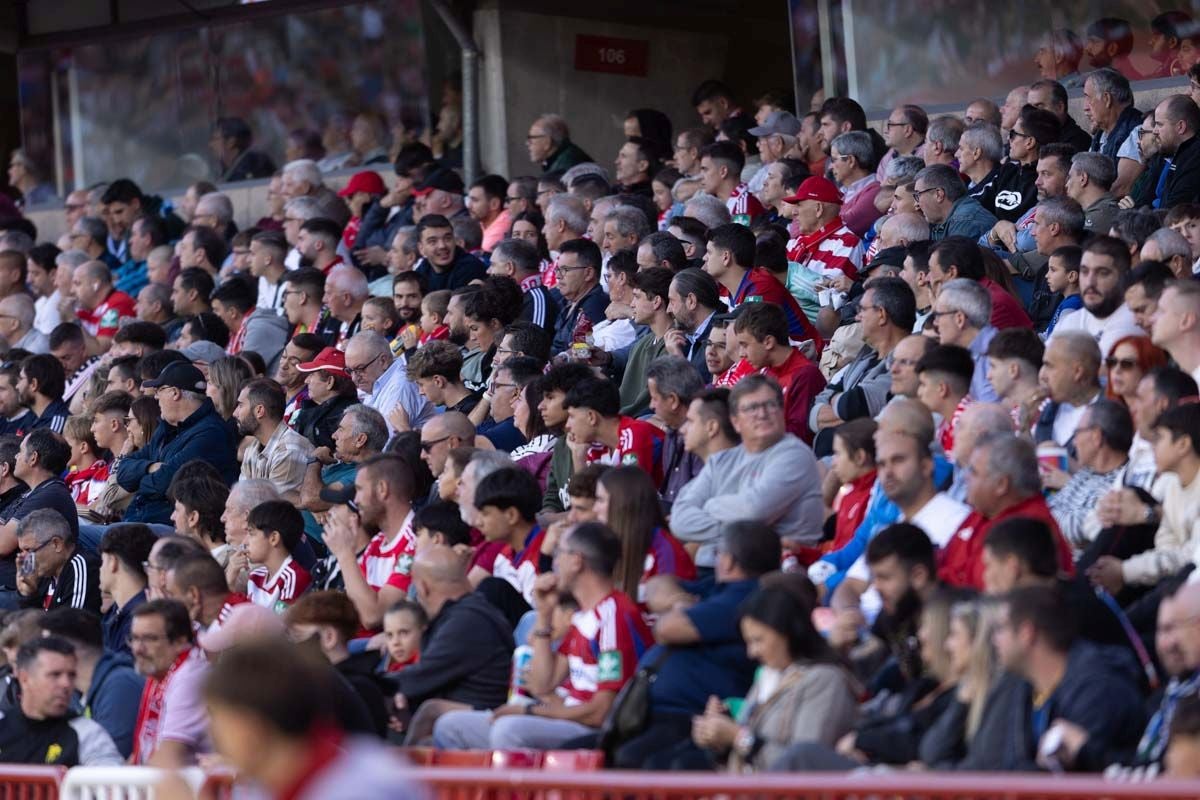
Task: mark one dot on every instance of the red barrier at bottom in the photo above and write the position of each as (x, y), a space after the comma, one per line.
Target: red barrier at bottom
(19, 782)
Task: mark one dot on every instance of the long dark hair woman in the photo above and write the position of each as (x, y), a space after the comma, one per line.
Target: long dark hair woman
(802, 693)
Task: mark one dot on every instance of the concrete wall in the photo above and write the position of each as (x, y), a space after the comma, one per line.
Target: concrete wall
(528, 69)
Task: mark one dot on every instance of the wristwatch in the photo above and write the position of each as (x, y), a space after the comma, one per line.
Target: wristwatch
(746, 743)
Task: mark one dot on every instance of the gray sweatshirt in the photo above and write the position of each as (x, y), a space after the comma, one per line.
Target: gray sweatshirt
(778, 486)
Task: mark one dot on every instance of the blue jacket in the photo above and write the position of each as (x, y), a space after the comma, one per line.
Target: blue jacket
(464, 269)
(592, 305)
(202, 435)
(967, 218)
(113, 698)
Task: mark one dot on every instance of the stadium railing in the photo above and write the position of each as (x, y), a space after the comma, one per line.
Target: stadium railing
(19, 782)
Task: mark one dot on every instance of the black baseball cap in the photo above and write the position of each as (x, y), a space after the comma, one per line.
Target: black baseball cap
(179, 375)
(441, 178)
(339, 497)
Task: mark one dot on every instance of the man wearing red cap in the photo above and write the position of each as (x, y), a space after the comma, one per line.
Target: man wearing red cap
(485, 202)
(363, 189)
(332, 389)
(825, 243)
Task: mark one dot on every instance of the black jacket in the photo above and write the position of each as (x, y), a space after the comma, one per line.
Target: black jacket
(1013, 191)
(67, 741)
(317, 423)
(1183, 178)
(1075, 136)
(464, 269)
(466, 655)
(359, 672)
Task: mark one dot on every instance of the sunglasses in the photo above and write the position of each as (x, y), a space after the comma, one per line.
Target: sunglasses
(1123, 363)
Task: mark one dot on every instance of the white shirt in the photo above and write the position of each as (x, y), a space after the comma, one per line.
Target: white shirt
(939, 518)
(1066, 421)
(270, 295)
(1107, 332)
(393, 388)
(47, 316)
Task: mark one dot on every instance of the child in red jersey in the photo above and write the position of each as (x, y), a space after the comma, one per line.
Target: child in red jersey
(275, 528)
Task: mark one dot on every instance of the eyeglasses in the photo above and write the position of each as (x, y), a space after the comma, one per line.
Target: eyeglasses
(533, 136)
(891, 124)
(363, 369)
(904, 362)
(916, 193)
(1122, 363)
(496, 385)
(41, 546)
(1014, 133)
(150, 565)
(943, 313)
(145, 638)
(767, 406)
(428, 446)
(561, 270)
(509, 200)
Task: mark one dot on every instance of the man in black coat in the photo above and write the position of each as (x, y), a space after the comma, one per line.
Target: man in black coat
(1176, 121)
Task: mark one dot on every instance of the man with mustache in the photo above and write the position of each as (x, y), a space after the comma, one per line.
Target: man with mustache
(1104, 315)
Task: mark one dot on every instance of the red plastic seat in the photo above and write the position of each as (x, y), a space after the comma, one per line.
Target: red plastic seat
(516, 759)
(573, 760)
(418, 756)
(462, 758)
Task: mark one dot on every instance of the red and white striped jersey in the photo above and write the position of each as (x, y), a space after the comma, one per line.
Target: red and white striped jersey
(832, 247)
(280, 590)
(602, 648)
(380, 559)
(743, 206)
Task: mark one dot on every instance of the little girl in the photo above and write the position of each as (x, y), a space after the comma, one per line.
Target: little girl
(403, 625)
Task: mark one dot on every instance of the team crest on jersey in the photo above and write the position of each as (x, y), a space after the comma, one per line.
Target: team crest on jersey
(1008, 200)
(754, 298)
(609, 665)
(404, 564)
(109, 318)
(629, 459)
(53, 753)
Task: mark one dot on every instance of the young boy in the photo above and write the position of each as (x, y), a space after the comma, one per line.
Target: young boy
(434, 307)
(507, 502)
(440, 523)
(275, 528)
(943, 386)
(1177, 456)
(594, 418)
(1062, 276)
(379, 315)
(403, 625)
(88, 472)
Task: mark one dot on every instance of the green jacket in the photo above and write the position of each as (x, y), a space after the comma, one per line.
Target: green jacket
(566, 156)
(635, 394)
(561, 469)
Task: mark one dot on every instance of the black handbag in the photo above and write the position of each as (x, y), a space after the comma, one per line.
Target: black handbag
(631, 707)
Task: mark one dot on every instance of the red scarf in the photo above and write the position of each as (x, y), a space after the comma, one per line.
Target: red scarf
(146, 730)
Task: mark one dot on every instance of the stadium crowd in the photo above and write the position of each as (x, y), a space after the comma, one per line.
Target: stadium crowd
(777, 444)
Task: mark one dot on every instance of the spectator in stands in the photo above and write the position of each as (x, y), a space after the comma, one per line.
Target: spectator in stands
(302, 300)
(672, 383)
(1090, 184)
(174, 727)
(824, 242)
(1176, 121)
(303, 178)
(145, 235)
(724, 491)
(606, 650)
(566, 220)
(959, 257)
(693, 301)
(518, 260)
(443, 264)
(124, 550)
(963, 311)
(550, 145)
(1108, 105)
(853, 164)
(101, 307)
(485, 203)
(328, 620)
(700, 651)
(274, 578)
(202, 248)
(451, 675)
(38, 726)
(40, 389)
(708, 429)
(942, 139)
(945, 204)
(1175, 329)
(230, 145)
(578, 280)
(980, 155)
(277, 453)
(763, 341)
(1003, 482)
(436, 370)
(1102, 443)
(90, 235)
(17, 329)
(345, 293)
(332, 391)
(110, 690)
(252, 329)
(1172, 249)
(1070, 378)
(887, 313)
(1014, 360)
(54, 572)
(721, 166)
(1037, 639)
(199, 433)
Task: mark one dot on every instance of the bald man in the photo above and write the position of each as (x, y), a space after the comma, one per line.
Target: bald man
(100, 306)
(466, 652)
(439, 436)
(17, 314)
(346, 291)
